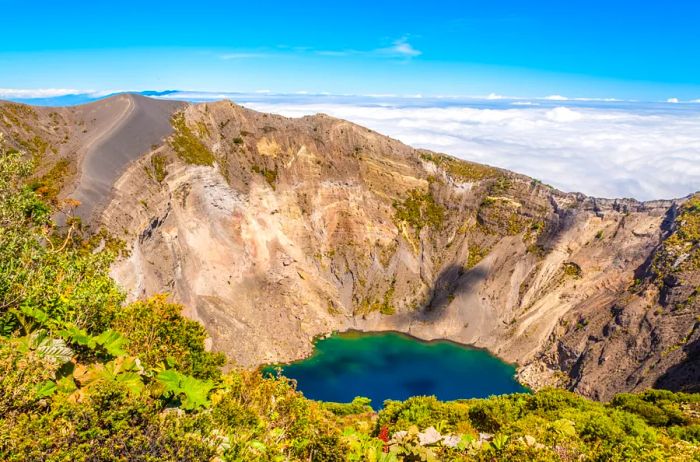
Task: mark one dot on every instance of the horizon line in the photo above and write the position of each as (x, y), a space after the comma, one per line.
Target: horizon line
(28, 94)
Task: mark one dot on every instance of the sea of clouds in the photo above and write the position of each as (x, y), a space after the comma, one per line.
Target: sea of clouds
(622, 150)
(604, 148)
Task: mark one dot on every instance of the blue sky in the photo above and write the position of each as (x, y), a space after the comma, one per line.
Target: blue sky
(648, 50)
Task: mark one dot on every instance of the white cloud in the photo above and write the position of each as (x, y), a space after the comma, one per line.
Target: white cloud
(563, 115)
(672, 100)
(37, 92)
(199, 96)
(556, 98)
(402, 48)
(606, 150)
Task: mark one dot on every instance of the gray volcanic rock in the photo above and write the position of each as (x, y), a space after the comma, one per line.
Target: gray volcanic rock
(84, 149)
(137, 124)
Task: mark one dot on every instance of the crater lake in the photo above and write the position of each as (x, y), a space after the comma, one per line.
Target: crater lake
(390, 365)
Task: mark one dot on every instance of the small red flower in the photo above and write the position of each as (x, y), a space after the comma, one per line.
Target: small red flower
(384, 436)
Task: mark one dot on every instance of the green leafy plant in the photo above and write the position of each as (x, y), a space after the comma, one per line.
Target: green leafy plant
(191, 392)
(158, 333)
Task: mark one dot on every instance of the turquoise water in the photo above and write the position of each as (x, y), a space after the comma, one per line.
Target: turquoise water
(384, 366)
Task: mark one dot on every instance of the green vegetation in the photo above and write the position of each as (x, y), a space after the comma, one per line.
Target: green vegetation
(688, 302)
(681, 250)
(202, 129)
(500, 215)
(50, 184)
(461, 170)
(159, 335)
(500, 186)
(36, 146)
(572, 270)
(534, 231)
(187, 145)
(384, 305)
(269, 175)
(551, 425)
(86, 377)
(688, 221)
(386, 253)
(476, 254)
(537, 250)
(158, 166)
(359, 405)
(14, 115)
(419, 210)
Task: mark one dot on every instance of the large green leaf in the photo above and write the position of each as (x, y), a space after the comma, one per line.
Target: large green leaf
(32, 341)
(196, 392)
(564, 427)
(193, 393)
(78, 335)
(132, 381)
(126, 364)
(55, 349)
(170, 380)
(45, 389)
(124, 370)
(112, 341)
(40, 316)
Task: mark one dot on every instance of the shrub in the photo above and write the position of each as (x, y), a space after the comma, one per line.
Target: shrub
(159, 334)
(187, 145)
(359, 405)
(158, 164)
(419, 210)
(461, 169)
(423, 412)
(493, 414)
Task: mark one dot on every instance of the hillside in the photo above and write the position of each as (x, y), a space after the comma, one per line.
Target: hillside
(271, 231)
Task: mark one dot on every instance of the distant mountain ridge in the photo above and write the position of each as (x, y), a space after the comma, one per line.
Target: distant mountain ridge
(273, 230)
(79, 98)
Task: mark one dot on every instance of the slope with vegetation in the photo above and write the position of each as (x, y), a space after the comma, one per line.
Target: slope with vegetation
(85, 376)
(294, 228)
(272, 230)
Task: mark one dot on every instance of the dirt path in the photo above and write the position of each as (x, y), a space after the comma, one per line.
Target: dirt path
(137, 123)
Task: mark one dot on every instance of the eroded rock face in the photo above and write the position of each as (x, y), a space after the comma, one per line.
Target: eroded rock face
(293, 228)
(648, 335)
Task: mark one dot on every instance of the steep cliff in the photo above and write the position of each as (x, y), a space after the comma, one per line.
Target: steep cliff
(274, 230)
